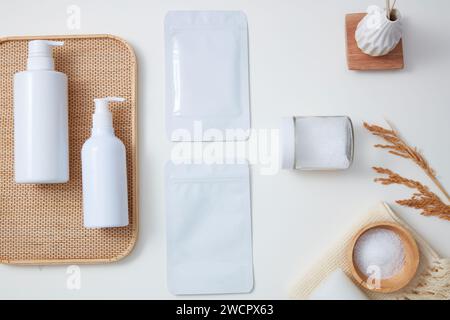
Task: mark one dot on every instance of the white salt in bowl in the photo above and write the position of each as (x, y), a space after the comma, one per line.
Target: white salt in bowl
(399, 279)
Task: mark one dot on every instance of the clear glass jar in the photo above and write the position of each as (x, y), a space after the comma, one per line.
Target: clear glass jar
(316, 143)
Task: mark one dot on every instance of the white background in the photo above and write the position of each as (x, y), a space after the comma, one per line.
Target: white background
(297, 67)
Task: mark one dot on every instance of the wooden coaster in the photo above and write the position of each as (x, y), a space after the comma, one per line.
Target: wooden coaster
(358, 60)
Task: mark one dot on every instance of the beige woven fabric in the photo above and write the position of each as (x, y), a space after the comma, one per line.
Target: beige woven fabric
(432, 280)
(43, 224)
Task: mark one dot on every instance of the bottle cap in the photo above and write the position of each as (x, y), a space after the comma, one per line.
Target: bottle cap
(287, 143)
(40, 55)
(102, 118)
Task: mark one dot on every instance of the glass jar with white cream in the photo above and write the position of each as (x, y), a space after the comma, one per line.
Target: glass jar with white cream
(316, 142)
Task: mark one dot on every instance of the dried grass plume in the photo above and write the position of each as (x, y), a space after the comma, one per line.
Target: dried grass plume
(423, 199)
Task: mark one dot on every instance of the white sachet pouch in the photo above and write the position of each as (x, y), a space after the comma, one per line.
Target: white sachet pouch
(207, 81)
(209, 240)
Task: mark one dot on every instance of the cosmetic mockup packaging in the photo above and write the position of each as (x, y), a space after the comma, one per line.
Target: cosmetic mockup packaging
(41, 147)
(105, 195)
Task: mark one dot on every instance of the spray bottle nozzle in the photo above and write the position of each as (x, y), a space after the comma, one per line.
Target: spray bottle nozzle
(40, 56)
(101, 104)
(42, 47)
(102, 117)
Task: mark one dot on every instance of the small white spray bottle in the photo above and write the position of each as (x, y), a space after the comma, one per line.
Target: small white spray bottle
(105, 196)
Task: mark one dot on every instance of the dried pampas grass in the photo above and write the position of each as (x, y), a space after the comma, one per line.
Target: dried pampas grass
(423, 199)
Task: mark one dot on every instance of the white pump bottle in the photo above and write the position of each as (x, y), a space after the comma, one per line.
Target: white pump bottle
(41, 146)
(105, 196)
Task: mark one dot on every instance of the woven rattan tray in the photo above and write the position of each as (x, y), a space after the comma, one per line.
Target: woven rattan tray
(43, 224)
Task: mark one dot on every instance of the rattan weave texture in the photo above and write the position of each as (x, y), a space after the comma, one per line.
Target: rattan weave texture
(43, 224)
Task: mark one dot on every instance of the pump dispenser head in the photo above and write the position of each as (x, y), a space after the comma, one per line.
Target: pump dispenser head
(102, 118)
(40, 55)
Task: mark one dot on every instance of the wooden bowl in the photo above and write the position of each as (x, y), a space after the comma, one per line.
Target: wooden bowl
(409, 269)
